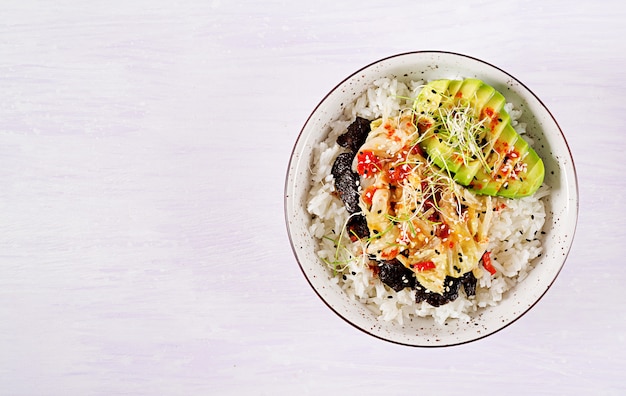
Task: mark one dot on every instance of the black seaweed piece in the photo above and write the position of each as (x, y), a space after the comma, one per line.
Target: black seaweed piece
(468, 281)
(450, 293)
(357, 226)
(346, 182)
(357, 132)
(395, 275)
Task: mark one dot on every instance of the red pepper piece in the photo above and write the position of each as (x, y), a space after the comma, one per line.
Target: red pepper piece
(424, 265)
(367, 163)
(399, 173)
(368, 194)
(487, 263)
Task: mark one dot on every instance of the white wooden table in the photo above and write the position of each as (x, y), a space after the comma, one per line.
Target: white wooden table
(143, 152)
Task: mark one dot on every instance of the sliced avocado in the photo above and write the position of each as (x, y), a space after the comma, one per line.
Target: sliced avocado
(428, 101)
(505, 166)
(502, 148)
(494, 106)
(485, 180)
(467, 172)
(430, 96)
(481, 98)
(439, 152)
(442, 154)
(453, 87)
(495, 129)
(520, 150)
(468, 88)
(525, 182)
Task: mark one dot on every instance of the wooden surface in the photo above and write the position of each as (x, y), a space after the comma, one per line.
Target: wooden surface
(143, 152)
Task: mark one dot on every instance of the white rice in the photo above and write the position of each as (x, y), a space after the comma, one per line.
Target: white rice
(514, 242)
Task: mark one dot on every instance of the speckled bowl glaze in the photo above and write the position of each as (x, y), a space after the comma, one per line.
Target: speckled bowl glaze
(561, 205)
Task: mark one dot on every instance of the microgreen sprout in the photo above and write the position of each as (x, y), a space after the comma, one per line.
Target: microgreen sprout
(342, 256)
(462, 131)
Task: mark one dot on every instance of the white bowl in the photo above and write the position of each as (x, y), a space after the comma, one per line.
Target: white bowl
(561, 205)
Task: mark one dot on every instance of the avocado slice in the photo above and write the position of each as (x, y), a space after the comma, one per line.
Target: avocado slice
(468, 88)
(442, 93)
(527, 180)
(493, 107)
(481, 97)
(465, 174)
(508, 167)
(440, 153)
(453, 88)
(518, 173)
(430, 97)
(486, 181)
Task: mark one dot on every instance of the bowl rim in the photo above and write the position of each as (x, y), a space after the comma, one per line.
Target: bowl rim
(574, 181)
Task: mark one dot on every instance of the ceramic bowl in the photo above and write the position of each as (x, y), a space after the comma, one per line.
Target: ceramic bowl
(561, 205)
